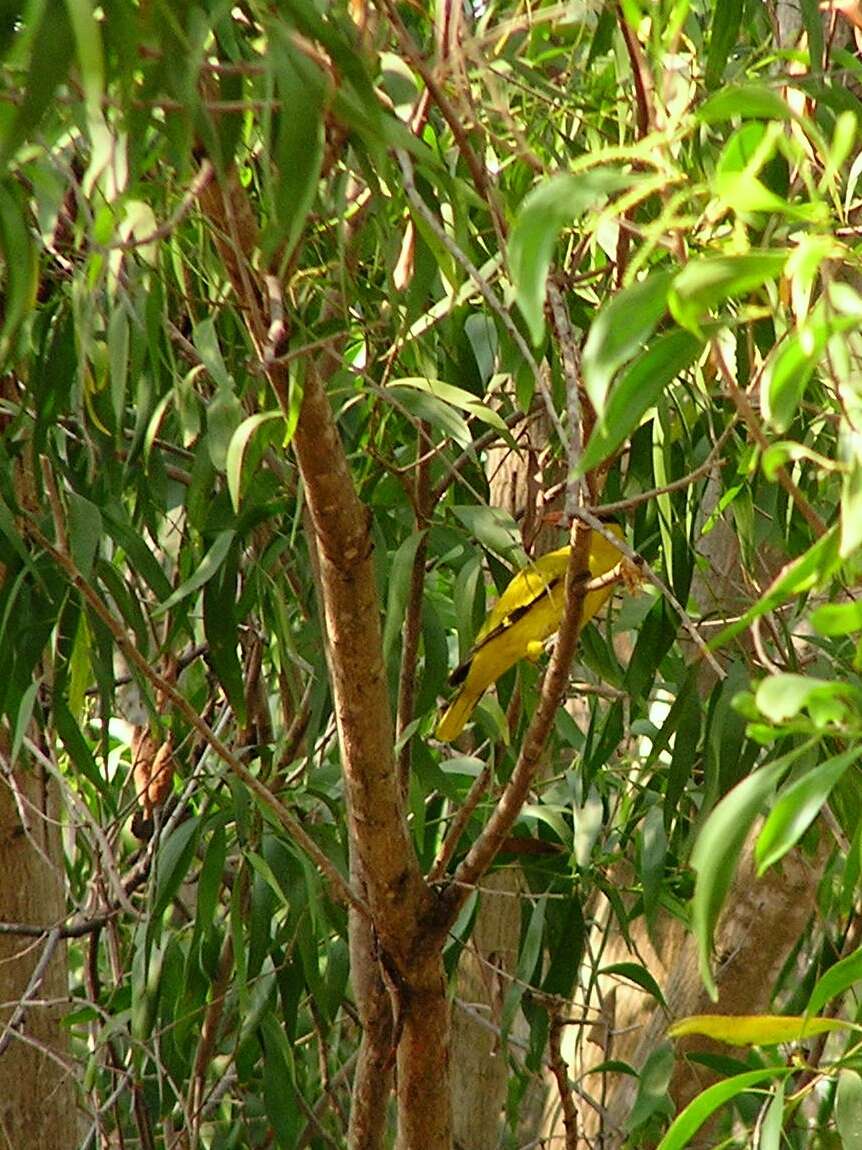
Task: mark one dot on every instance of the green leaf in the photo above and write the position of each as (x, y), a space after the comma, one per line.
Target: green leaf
(783, 696)
(838, 978)
(22, 720)
(88, 42)
(19, 266)
(837, 618)
(851, 499)
(205, 339)
(76, 746)
(745, 193)
(236, 450)
(211, 876)
(278, 1095)
(639, 975)
(528, 959)
(723, 32)
(848, 1109)
(455, 397)
(85, 532)
(653, 1082)
(303, 89)
(718, 848)
(205, 570)
(398, 581)
(620, 331)
(118, 357)
(696, 1113)
(432, 409)
(788, 373)
(491, 527)
(773, 1121)
(220, 629)
(636, 391)
(797, 807)
(172, 863)
(549, 208)
(136, 549)
(747, 102)
(703, 284)
(566, 950)
(50, 57)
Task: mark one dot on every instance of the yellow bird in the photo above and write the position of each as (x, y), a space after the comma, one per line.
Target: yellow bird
(527, 612)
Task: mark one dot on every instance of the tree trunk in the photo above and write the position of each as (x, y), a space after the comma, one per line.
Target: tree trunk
(37, 1088)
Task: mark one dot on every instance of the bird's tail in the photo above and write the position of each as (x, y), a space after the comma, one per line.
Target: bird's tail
(455, 716)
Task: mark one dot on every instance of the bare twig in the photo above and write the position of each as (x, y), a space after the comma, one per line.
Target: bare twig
(465, 812)
(561, 1074)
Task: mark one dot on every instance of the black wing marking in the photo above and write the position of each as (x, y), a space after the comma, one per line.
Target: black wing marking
(460, 673)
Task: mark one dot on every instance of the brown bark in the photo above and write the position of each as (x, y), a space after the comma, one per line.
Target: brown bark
(37, 1087)
(397, 896)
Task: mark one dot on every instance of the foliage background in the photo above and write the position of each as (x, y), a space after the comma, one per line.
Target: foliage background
(686, 173)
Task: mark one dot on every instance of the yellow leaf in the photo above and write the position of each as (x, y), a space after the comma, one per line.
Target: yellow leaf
(755, 1029)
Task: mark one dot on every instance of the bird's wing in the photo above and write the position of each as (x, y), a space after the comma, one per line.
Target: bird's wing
(523, 590)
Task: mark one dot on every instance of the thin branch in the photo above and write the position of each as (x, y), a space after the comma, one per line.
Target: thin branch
(459, 823)
(572, 376)
(561, 1074)
(163, 231)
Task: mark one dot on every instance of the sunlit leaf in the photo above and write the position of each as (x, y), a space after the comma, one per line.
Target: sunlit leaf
(549, 208)
(755, 1029)
(749, 102)
(704, 284)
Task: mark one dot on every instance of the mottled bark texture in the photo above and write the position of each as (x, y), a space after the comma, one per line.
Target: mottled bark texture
(37, 1088)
